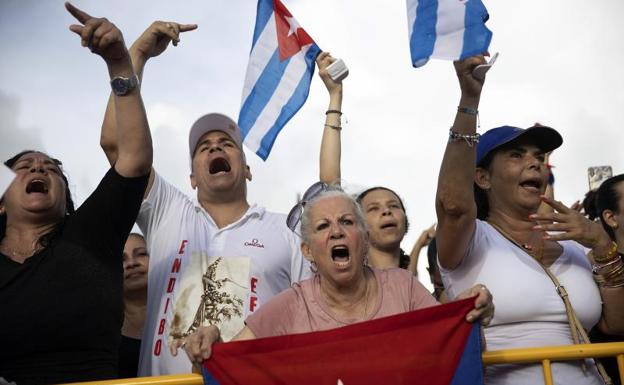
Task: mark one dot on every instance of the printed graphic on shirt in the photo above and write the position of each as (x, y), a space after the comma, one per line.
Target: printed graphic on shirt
(212, 292)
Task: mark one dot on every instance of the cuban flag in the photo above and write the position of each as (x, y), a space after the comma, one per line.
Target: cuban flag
(447, 29)
(433, 346)
(281, 65)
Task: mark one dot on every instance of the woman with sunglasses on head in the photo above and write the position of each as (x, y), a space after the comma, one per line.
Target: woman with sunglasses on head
(344, 290)
(383, 208)
(489, 232)
(60, 268)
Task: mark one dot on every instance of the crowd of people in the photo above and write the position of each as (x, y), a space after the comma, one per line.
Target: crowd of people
(85, 299)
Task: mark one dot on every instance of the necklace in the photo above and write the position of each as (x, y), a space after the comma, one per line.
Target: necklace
(16, 254)
(524, 246)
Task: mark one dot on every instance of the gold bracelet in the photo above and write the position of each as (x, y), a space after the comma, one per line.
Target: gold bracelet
(610, 254)
(617, 274)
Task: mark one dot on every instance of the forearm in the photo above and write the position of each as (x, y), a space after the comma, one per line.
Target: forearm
(455, 205)
(455, 183)
(612, 320)
(330, 143)
(414, 254)
(108, 136)
(134, 143)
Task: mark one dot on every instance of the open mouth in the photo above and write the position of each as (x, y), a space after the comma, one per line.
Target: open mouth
(391, 225)
(533, 185)
(340, 255)
(135, 274)
(219, 165)
(37, 186)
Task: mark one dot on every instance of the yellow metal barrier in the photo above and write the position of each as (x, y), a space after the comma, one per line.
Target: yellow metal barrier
(545, 355)
(557, 353)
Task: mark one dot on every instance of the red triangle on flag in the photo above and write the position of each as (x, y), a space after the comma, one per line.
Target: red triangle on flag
(290, 36)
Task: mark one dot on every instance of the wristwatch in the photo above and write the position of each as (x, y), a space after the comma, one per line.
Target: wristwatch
(122, 86)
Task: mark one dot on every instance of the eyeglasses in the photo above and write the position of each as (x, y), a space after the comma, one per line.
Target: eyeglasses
(295, 214)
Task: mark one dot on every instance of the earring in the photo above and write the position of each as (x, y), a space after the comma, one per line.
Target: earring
(313, 267)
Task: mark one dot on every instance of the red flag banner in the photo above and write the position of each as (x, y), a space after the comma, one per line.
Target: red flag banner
(429, 346)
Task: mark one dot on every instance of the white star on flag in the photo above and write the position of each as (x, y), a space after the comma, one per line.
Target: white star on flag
(292, 23)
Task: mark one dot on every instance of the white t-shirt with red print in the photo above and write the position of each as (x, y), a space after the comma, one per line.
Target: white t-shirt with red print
(200, 274)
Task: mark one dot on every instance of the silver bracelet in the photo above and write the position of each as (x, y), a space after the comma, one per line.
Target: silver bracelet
(470, 139)
(597, 267)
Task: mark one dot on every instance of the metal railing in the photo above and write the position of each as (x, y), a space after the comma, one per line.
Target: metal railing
(544, 355)
(547, 354)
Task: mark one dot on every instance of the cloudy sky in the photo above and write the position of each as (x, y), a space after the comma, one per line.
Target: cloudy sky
(560, 64)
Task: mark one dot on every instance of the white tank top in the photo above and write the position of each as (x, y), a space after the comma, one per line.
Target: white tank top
(529, 312)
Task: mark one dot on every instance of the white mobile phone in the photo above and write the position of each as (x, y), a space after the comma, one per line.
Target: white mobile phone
(338, 70)
(480, 70)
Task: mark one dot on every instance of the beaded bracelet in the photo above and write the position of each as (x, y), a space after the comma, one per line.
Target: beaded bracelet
(470, 139)
(468, 110)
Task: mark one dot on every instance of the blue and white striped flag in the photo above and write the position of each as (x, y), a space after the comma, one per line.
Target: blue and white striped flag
(281, 65)
(447, 29)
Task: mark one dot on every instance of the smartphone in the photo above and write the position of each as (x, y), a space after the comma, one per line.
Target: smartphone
(338, 70)
(480, 70)
(598, 174)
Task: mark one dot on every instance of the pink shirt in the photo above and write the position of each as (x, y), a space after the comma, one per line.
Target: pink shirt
(302, 309)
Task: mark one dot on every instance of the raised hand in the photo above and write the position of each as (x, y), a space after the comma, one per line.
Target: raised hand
(323, 60)
(98, 34)
(470, 86)
(426, 236)
(155, 39)
(569, 224)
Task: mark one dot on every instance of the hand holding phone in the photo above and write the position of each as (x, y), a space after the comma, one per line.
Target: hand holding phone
(337, 70)
(480, 70)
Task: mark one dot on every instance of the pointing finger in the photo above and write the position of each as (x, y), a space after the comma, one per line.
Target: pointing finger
(80, 15)
(187, 27)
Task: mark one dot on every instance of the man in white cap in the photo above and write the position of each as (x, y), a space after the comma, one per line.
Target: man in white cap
(216, 259)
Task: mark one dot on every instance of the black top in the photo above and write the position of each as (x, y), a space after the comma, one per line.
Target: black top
(62, 309)
(129, 351)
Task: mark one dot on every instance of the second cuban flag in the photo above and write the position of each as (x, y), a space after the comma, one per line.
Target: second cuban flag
(432, 346)
(281, 65)
(446, 29)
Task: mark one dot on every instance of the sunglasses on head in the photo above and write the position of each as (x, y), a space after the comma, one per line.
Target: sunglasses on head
(294, 216)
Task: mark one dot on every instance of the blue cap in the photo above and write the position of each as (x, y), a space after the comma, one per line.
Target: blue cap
(546, 138)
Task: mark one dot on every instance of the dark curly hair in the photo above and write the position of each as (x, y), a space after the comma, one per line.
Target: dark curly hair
(45, 239)
(607, 198)
(404, 259)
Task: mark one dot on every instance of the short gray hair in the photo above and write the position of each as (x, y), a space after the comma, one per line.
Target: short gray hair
(331, 192)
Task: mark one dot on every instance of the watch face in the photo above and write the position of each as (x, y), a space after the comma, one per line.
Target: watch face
(120, 86)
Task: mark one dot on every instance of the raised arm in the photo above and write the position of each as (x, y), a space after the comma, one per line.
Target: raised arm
(330, 144)
(132, 139)
(455, 205)
(423, 240)
(151, 43)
